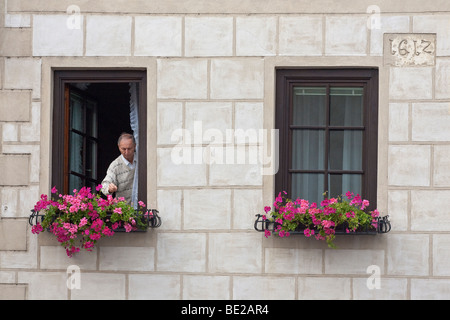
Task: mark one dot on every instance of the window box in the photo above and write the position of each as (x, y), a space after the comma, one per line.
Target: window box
(149, 219)
(79, 220)
(383, 226)
(333, 216)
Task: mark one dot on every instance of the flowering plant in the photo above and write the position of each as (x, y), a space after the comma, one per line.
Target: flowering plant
(80, 220)
(320, 221)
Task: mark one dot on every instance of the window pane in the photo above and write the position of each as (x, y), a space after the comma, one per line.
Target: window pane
(91, 159)
(308, 149)
(75, 182)
(345, 150)
(76, 112)
(346, 106)
(91, 118)
(339, 184)
(309, 105)
(76, 153)
(308, 186)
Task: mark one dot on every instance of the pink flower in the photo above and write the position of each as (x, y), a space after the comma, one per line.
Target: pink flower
(375, 223)
(375, 213)
(142, 204)
(349, 195)
(356, 200)
(54, 190)
(83, 222)
(118, 210)
(95, 236)
(279, 198)
(365, 203)
(108, 232)
(36, 229)
(267, 233)
(266, 209)
(328, 210)
(128, 227)
(327, 223)
(115, 225)
(99, 187)
(350, 214)
(308, 232)
(88, 245)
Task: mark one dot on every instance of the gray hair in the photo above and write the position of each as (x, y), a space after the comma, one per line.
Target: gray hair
(125, 135)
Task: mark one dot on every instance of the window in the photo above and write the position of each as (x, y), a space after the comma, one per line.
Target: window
(327, 121)
(90, 110)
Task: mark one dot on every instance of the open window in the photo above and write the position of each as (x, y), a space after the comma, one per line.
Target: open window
(328, 125)
(90, 110)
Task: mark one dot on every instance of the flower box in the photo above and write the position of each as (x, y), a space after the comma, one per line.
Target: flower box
(79, 220)
(383, 223)
(334, 216)
(149, 219)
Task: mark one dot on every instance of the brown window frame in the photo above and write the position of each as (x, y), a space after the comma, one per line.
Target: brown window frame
(286, 79)
(62, 78)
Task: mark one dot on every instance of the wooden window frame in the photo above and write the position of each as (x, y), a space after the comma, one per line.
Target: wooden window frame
(61, 118)
(286, 79)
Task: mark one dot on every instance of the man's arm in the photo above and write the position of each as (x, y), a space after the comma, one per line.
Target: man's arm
(109, 183)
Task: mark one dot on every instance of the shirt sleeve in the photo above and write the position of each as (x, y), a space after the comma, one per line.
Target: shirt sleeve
(109, 178)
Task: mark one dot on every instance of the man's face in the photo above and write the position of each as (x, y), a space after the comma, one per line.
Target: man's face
(126, 147)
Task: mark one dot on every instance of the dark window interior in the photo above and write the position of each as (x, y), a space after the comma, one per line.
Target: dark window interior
(91, 109)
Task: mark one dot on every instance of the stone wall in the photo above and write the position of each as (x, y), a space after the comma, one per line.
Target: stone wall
(217, 65)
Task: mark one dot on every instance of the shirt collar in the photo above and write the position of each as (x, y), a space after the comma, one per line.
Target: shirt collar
(128, 163)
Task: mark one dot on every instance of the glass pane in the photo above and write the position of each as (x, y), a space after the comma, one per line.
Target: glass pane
(345, 150)
(75, 182)
(91, 118)
(91, 159)
(339, 184)
(76, 112)
(76, 153)
(308, 149)
(346, 106)
(309, 105)
(308, 186)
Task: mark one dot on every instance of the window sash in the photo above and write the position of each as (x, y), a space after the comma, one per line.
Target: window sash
(359, 132)
(61, 118)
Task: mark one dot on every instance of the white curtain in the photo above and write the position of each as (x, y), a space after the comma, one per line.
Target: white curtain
(346, 108)
(308, 145)
(134, 122)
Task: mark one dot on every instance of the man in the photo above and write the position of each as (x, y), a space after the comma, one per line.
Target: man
(120, 174)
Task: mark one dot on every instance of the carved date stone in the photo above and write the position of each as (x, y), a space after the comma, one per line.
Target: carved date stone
(409, 49)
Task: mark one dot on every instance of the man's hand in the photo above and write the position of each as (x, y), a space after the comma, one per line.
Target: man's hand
(112, 188)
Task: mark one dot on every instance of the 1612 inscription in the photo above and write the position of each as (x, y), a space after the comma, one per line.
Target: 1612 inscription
(412, 49)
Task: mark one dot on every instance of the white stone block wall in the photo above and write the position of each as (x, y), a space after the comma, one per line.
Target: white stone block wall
(214, 72)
